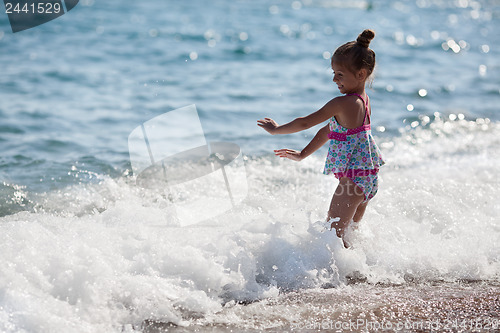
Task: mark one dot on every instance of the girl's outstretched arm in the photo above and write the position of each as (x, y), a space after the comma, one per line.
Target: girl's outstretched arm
(319, 140)
(329, 110)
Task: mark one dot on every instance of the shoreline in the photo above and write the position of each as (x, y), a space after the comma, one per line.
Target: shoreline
(433, 306)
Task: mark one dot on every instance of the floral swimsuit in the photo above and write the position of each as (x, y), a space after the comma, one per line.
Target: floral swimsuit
(354, 154)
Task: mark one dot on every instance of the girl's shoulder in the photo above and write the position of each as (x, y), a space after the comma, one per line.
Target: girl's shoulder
(346, 103)
(350, 111)
(342, 106)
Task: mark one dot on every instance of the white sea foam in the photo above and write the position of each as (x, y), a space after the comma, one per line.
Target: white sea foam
(102, 257)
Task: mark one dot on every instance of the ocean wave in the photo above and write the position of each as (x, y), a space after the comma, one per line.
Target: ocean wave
(101, 256)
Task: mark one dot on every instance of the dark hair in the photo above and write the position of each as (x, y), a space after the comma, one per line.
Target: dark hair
(356, 55)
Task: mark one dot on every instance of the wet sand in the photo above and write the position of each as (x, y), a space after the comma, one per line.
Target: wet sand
(419, 307)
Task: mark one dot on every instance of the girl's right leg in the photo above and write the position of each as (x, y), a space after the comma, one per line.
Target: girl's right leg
(347, 203)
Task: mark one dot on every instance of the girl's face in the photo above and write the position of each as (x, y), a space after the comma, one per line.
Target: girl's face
(347, 81)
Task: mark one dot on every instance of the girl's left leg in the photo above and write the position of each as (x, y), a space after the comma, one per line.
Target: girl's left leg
(345, 204)
(360, 212)
(355, 222)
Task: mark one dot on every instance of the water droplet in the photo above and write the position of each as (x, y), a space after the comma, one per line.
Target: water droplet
(482, 70)
(209, 34)
(423, 3)
(475, 14)
(153, 33)
(274, 9)
(453, 46)
(411, 40)
(410, 107)
(453, 19)
(399, 37)
(243, 36)
(311, 35)
(285, 29)
(306, 27)
(296, 5)
(422, 92)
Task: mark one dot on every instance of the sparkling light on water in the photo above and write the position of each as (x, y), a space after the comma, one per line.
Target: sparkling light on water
(84, 249)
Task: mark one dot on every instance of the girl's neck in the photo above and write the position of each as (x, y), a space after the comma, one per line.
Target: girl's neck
(360, 92)
(358, 89)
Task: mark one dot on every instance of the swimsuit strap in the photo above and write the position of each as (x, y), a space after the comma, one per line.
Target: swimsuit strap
(354, 94)
(367, 113)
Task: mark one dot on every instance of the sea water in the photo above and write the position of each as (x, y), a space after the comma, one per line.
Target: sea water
(84, 249)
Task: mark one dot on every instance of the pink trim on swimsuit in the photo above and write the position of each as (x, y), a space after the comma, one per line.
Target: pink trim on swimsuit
(343, 136)
(356, 173)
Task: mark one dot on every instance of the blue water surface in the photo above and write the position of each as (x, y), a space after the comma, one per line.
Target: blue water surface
(74, 88)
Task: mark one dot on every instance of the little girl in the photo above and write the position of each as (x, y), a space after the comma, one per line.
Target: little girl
(353, 156)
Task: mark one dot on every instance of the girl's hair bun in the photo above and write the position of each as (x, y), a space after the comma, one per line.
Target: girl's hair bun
(365, 38)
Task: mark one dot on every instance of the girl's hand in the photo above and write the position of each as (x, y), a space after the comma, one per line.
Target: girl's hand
(268, 124)
(289, 153)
